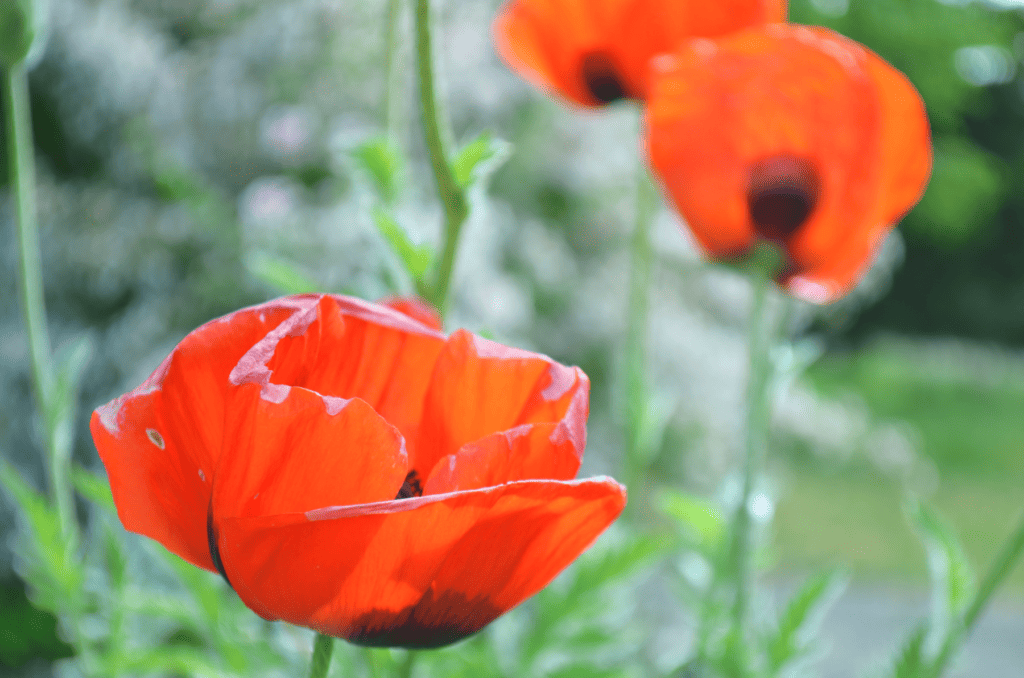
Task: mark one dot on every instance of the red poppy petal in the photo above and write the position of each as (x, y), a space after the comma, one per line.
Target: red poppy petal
(159, 488)
(531, 451)
(160, 443)
(460, 405)
(421, 572)
(416, 308)
(352, 349)
(906, 149)
(293, 450)
(550, 41)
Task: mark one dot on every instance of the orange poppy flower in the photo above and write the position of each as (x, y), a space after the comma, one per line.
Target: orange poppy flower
(349, 469)
(790, 134)
(596, 51)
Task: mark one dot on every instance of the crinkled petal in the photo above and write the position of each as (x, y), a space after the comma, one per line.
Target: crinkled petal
(351, 349)
(480, 388)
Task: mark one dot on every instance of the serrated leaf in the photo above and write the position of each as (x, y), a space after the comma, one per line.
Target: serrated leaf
(415, 258)
(617, 563)
(478, 158)
(951, 574)
(279, 274)
(800, 619)
(382, 162)
(700, 518)
(49, 568)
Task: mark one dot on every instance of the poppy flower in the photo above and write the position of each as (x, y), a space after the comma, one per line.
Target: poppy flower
(794, 135)
(593, 52)
(349, 469)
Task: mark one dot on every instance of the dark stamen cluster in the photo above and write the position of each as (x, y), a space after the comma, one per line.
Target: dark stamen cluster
(411, 487)
(601, 78)
(781, 195)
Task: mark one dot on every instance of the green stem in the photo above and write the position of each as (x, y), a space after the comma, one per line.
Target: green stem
(1001, 567)
(756, 444)
(323, 646)
(21, 158)
(453, 198)
(636, 391)
(405, 668)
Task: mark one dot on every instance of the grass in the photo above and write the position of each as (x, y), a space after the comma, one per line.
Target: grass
(966, 402)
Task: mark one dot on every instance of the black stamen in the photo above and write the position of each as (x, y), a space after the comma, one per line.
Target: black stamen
(781, 195)
(411, 487)
(601, 78)
(211, 539)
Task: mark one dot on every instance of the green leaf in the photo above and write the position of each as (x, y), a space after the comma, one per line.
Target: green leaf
(479, 158)
(93, 487)
(49, 568)
(951, 573)
(279, 274)
(597, 569)
(911, 662)
(382, 162)
(700, 518)
(415, 258)
(799, 621)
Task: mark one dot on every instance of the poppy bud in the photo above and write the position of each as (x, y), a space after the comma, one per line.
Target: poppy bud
(792, 135)
(596, 51)
(21, 23)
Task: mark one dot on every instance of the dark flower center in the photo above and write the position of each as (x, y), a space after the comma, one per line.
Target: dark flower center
(601, 78)
(411, 487)
(781, 195)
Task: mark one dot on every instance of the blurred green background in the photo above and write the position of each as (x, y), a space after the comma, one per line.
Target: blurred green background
(192, 152)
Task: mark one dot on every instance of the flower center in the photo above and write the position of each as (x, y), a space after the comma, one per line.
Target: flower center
(601, 78)
(781, 195)
(411, 487)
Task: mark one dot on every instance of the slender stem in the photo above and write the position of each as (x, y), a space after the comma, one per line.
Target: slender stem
(1004, 563)
(456, 207)
(757, 419)
(636, 391)
(21, 158)
(323, 646)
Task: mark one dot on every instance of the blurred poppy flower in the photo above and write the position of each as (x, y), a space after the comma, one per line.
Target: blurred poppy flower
(349, 469)
(793, 135)
(596, 51)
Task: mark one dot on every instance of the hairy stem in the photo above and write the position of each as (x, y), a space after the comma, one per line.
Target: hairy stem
(21, 158)
(453, 197)
(635, 382)
(756, 444)
(323, 647)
